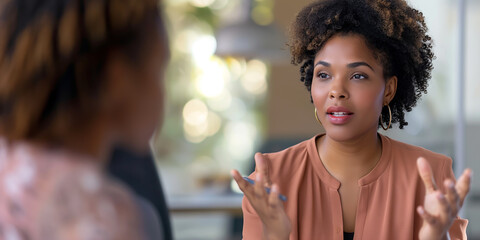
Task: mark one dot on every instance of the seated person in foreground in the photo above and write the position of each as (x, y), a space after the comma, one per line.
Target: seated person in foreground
(77, 77)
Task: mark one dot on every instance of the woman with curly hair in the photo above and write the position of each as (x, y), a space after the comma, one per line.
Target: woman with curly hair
(365, 63)
(76, 78)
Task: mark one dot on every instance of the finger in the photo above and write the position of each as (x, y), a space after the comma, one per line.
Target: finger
(426, 173)
(242, 184)
(430, 219)
(451, 195)
(463, 185)
(274, 199)
(247, 189)
(261, 166)
(258, 187)
(446, 210)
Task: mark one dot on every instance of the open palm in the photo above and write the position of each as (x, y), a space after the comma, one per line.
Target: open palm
(269, 207)
(440, 209)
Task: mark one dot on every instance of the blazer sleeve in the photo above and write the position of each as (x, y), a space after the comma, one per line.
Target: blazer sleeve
(252, 225)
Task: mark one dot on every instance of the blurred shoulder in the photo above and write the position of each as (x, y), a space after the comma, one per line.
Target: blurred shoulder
(63, 195)
(82, 196)
(408, 154)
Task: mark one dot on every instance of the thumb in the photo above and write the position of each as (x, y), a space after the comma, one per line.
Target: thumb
(426, 173)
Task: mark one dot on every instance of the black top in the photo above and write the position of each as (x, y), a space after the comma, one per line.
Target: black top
(347, 236)
(140, 174)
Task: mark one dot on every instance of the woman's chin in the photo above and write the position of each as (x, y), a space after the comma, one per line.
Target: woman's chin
(338, 137)
(343, 133)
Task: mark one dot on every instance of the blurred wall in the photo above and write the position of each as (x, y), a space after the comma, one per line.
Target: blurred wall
(289, 111)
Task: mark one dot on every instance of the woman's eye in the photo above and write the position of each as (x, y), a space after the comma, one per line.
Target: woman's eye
(323, 75)
(359, 76)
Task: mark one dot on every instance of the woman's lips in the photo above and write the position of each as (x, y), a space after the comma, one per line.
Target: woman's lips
(339, 115)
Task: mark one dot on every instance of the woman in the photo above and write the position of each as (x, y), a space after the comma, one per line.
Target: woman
(76, 77)
(365, 63)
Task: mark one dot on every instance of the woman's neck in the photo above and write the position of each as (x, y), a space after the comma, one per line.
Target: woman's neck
(88, 139)
(92, 143)
(350, 160)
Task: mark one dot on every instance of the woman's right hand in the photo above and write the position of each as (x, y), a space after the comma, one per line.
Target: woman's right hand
(268, 207)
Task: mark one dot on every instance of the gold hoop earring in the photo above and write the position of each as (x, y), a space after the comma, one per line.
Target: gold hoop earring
(316, 117)
(389, 122)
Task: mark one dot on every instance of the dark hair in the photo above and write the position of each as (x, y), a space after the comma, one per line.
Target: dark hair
(395, 32)
(52, 56)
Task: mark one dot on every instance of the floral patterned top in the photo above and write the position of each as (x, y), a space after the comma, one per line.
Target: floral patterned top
(53, 194)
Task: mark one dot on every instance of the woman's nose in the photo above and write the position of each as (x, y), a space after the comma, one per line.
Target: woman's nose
(338, 91)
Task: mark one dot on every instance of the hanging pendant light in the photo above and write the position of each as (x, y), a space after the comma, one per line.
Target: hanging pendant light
(247, 39)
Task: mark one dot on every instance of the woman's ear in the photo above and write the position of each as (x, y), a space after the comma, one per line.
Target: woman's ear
(390, 90)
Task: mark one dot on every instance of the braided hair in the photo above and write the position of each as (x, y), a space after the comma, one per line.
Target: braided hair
(394, 31)
(52, 55)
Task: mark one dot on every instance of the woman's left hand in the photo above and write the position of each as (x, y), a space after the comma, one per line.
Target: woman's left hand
(440, 209)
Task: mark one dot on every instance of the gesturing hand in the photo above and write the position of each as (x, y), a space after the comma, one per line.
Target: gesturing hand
(269, 207)
(440, 209)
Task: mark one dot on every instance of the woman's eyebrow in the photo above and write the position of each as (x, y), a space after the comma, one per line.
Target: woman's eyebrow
(350, 65)
(357, 64)
(326, 64)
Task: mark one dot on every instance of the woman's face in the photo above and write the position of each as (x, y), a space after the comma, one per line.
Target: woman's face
(349, 88)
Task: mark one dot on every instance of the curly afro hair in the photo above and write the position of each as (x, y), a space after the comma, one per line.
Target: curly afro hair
(394, 31)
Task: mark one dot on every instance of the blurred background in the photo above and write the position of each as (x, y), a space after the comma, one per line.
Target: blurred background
(232, 91)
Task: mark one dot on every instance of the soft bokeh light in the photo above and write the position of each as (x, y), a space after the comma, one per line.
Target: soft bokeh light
(214, 122)
(213, 117)
(221, 102)
(255, 78)
(237, 66)
(184, 41)
(219, 4)
(210, 84)
(238, 139)
(195, 112)
(199, 123)
(195, 125)
(203, 48)
(195, 133)
(212, 77)
(201, 3)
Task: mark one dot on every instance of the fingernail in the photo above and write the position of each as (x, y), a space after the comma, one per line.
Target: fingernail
(420, 210)
(257, 177)
(275, 188)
